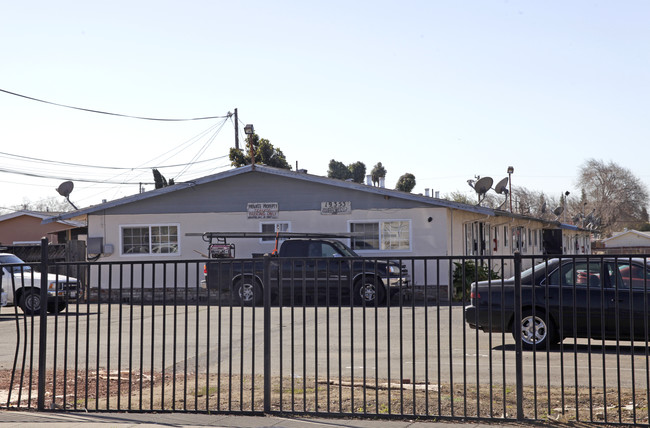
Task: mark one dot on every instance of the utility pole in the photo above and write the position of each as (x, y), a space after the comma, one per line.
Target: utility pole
(236, 131)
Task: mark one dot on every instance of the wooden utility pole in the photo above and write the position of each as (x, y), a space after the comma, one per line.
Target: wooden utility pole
(236, 131)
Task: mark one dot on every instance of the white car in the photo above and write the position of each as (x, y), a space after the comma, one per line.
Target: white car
(21, 285)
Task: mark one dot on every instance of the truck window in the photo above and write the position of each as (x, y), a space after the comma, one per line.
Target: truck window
(322, 249)
(293, 249)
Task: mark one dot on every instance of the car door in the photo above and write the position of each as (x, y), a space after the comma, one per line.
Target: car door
(629, 300)
(575, 298)
(333, 271)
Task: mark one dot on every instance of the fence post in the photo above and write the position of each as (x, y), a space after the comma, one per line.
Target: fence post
(519, 375)
(267, 333)
(42, 341)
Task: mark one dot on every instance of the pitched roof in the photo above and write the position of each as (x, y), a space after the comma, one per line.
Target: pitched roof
(641, 236)
(435, 202)
(42, 215)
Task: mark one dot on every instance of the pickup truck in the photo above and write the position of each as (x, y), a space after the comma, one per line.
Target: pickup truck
(21, 285)
(308, 268)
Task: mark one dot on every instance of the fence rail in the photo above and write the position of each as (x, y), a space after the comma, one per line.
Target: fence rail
(149, 337)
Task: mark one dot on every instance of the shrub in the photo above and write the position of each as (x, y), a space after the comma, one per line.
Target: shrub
(470, 272)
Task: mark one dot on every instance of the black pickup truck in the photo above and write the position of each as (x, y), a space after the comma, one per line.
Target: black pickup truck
(307, 268)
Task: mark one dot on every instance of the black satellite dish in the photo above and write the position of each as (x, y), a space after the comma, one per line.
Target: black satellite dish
(502, 186)
(482, 186)
(557, 211)
(65, 189)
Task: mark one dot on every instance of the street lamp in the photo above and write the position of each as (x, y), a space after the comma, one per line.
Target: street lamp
(511, 169)
(249, 130)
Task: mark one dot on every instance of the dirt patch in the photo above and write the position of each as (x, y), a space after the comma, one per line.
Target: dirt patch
(351, 397)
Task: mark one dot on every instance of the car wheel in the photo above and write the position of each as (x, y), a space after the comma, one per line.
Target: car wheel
(30, 301)
(535, 331)
(56, 308)
(248, 291)
(369, 290)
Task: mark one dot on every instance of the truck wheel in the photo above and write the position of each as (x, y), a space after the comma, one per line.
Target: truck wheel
(30, 301)
(248, 291)
(56, 308)
(368, 290)
(535, 332)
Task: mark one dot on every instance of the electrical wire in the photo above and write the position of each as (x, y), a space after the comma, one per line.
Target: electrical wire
(107, 167)
(112, 114)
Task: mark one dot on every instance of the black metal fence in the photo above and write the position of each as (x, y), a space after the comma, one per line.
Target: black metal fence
(148, 336)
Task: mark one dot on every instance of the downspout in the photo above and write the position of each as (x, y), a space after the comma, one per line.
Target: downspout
(451, 248)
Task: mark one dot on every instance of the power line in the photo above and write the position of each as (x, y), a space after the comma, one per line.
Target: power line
(112, 114)
(108, 167)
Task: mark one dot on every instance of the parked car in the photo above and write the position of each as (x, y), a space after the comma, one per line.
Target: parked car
(21, 284)
(600, 298)
(311, 268)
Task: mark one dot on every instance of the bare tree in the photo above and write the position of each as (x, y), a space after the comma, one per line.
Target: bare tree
(616, 196)
(49, 204)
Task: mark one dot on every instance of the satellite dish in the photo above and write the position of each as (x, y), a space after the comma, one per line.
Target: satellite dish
(483, 185)
(559, 210)
(65, 188)
(502, 186)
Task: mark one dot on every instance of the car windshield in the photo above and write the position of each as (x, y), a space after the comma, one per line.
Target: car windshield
(11, 259)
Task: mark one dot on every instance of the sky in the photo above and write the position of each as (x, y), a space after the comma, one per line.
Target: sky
(445, 90)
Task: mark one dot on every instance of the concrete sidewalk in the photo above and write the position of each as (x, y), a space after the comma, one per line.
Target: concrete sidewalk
(188, 420)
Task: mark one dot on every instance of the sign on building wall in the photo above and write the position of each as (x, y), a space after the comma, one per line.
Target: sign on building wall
(335, 207)
(262, 209)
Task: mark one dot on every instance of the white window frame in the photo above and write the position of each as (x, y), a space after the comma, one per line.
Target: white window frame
(276, 224)
(379, 224)
(150, 244)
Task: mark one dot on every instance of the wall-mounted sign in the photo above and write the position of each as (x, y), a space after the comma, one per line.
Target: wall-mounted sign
(335, 207)
(262, 209)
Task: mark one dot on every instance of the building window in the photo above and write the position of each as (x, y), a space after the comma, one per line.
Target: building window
(382, 235)
(477, 239)
(519, 239)
(274, 228)
(158, 239)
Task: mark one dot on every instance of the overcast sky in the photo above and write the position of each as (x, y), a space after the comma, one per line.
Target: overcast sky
(445, 90)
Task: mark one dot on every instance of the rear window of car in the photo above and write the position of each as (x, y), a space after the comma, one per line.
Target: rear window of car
(579, 273)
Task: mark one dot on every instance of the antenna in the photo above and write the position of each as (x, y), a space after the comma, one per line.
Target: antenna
(65, 189)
